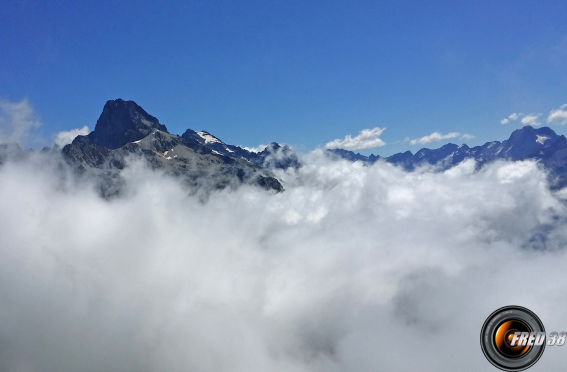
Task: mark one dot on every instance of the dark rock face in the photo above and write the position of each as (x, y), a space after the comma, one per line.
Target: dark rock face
(84, 152)
(523, 143)
(541, 144)
(270, 183)
(405, 159)
(124, 131)
(122, 122)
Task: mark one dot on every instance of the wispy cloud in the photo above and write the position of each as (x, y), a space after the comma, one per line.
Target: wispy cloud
(16, 121)
(531, 119)
(511, 117)
(66, 137)
(436, 136)
(558, 116)
(366, 139)
(525, 119)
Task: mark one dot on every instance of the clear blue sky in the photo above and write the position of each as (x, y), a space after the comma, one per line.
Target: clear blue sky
(297, 72)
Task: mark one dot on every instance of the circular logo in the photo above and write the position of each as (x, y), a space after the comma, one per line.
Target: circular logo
(512, 338)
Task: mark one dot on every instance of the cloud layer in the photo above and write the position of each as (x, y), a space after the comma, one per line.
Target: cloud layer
(366, 139)
(347, 270)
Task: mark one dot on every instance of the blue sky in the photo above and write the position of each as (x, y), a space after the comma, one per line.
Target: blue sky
(298, 72)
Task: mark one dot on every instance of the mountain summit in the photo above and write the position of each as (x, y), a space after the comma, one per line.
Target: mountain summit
(124, 131)
(121, 122)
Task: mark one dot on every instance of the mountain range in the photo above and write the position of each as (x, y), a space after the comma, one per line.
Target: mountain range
(540, 144)
(125, 131)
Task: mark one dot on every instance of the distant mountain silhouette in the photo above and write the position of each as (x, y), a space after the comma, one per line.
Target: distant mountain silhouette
(540, 144)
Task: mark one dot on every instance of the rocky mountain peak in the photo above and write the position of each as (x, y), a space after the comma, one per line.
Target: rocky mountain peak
(121, 122)
(528, 133)
(199, 159)
(528, 142)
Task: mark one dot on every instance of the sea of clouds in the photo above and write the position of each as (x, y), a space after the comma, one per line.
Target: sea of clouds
(352, 268)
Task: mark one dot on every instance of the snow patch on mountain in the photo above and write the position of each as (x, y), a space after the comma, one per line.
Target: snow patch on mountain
(541, 139)
(208, 137)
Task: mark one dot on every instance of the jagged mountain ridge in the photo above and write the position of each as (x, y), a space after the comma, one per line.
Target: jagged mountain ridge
(124, 129)
(541, 144)
(273, 156)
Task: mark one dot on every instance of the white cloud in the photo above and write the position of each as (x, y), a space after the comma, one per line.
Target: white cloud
(66, 137)
(17, 119)
(558, 116)
(347, 270)
(512, 117)
(366, 139)
(433, 137)
(467, 137)
(256, 149)
(531, 119)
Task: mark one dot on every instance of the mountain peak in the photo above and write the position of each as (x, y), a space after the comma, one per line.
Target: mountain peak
(121, 122)
(527, 142)
(528, 132)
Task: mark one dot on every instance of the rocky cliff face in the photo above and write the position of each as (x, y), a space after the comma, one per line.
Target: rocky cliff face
(122, 122)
